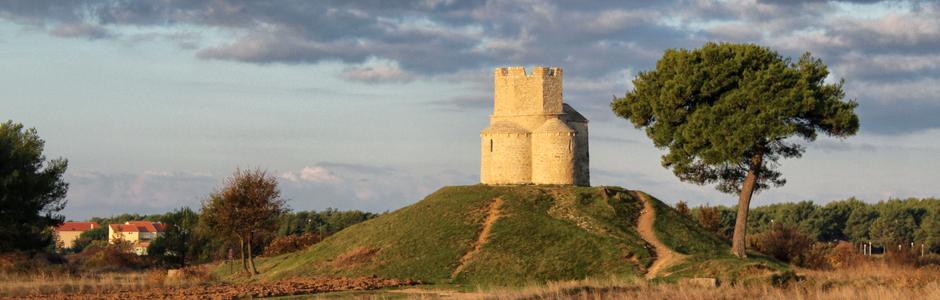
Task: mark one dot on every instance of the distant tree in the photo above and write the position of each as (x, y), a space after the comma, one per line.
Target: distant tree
(32, 191)
(683, 208)
(893, 228)
(858, 225)
(929, 233)
(89, 236)
(728, 113)
(247, 207)
(175, 246)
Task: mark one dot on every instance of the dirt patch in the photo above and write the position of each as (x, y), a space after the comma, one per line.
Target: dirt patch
(232, 291)
(355, 257)
(491, 216)
(665, 257)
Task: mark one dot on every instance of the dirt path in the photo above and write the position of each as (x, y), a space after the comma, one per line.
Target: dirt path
(491, 216)
(665, 257)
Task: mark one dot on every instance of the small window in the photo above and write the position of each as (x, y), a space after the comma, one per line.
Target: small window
(491, 145)
(569, 146)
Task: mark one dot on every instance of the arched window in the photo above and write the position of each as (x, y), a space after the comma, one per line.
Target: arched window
(491, 145)
(569, 146)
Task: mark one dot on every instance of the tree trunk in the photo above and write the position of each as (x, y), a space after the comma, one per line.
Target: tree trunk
(251, 259)
(241, 251)
(738, 241)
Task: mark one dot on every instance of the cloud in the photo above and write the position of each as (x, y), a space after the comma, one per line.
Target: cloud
(871, 43)
(310, 174)
(466, 103)
(379, 73)
(80, 30)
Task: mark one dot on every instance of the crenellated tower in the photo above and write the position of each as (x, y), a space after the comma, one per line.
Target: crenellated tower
(533, 137)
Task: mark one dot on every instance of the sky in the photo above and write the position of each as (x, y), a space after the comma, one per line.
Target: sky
(372, 105)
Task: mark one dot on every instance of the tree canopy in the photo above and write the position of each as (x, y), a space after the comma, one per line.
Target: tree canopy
(727, 113)
(32, 191)
(246, 208)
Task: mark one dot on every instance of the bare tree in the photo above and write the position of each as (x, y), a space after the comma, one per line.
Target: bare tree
(247, 206)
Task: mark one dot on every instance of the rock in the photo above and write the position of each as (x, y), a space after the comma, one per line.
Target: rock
(707, 282)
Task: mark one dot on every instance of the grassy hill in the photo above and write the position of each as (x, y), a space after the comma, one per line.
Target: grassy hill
(529, 234)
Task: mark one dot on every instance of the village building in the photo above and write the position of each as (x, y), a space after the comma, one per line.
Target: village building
(533, 136)
(67, 233)
(138, 233)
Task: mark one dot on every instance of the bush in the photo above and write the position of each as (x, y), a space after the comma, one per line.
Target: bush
(903, 256)
(22, 262)
(784, 279)
(931, 259)
(291, 243)
(117, 257)
(818, 256)
(783, 242)
(844, 255)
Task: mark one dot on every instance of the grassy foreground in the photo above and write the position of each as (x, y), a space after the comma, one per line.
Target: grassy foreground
(540, 234)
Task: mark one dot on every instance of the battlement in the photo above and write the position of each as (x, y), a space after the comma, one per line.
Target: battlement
(518, 93)
(519, 71)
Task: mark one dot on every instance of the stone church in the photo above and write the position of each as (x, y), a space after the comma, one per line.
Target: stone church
(533, 137)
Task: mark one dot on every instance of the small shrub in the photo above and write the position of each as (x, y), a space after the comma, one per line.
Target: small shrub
(710, 218)
(931, 259)
(903, 256)
(784, 279)
(110, 258)
(817, 256)
(844, 255)
(683, 209)
(291, 243)
(783, 242)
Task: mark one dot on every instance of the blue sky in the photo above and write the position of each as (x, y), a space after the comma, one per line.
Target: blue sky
(373, 104)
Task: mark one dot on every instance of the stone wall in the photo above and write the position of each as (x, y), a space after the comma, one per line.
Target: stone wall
(582, 158)
(517, 93)
(506, 158)
(553, 154)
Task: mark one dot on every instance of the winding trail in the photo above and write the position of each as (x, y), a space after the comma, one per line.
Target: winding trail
(491, 217)
(665, 257)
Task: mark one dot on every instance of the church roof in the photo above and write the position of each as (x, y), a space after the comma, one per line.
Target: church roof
(573, 115)
(554, 125)
(504, 127)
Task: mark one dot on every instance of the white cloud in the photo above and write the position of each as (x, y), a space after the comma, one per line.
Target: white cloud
(377, 72)
(311, 174)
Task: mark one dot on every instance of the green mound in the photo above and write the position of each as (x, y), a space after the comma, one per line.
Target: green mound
(540, 233)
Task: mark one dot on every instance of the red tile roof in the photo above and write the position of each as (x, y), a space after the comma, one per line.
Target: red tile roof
(77, 226)
(139, 226)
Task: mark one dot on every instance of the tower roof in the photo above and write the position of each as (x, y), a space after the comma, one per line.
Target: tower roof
(555, 126)
(573, 115)
(504, 127)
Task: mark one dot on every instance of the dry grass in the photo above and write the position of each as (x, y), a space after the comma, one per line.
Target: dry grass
(873, 280)
(18, 285)
(44, 284)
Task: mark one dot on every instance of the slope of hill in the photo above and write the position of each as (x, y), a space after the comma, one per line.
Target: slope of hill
(513, 235)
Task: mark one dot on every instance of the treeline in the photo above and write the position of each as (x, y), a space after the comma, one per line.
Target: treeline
(190, 241)
(886, 223)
